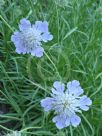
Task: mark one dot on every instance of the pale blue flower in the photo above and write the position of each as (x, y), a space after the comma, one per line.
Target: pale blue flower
(14, 133)
(30, 37)
(66, 102)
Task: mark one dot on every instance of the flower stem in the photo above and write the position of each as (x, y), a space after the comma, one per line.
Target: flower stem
(71, 131)
(53, 64)
(25, 129)
(6, 128)
(6, 23)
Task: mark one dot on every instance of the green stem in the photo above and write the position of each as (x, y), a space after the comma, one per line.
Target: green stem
(32, 8)
(9, 117)
(53, 65)
(37, 85)
(6, 23)
(88, 124)
(29, 128)
(6, 128)
(71, 131)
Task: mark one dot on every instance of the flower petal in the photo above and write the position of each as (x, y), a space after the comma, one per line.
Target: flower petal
(58, 86)
(15, 38)
(67, 122)
(42, 26)
(47, 103)
(19, 44)
(47, 37)
(85, 102)
(73, 87)
(84, 107)
(20, 50)
(75, 120)
(60, 121)
(37, 51)
(24, 24)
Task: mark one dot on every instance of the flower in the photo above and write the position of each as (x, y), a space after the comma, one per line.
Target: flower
(30, 37)
(66, 102)
(14, 133)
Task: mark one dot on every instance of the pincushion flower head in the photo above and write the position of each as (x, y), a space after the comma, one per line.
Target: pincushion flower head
(30, 37)
(66, 103)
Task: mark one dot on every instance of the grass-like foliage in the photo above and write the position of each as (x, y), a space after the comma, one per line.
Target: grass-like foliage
(75, 53)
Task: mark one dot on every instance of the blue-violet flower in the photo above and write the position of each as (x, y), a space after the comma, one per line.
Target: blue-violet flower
(30, 37)
(66, 103)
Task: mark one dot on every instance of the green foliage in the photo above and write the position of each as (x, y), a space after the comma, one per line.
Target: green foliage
(76, 52)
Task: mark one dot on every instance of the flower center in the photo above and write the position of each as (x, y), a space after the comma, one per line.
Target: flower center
(67, 100)
(32, 37)
(66, 103)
